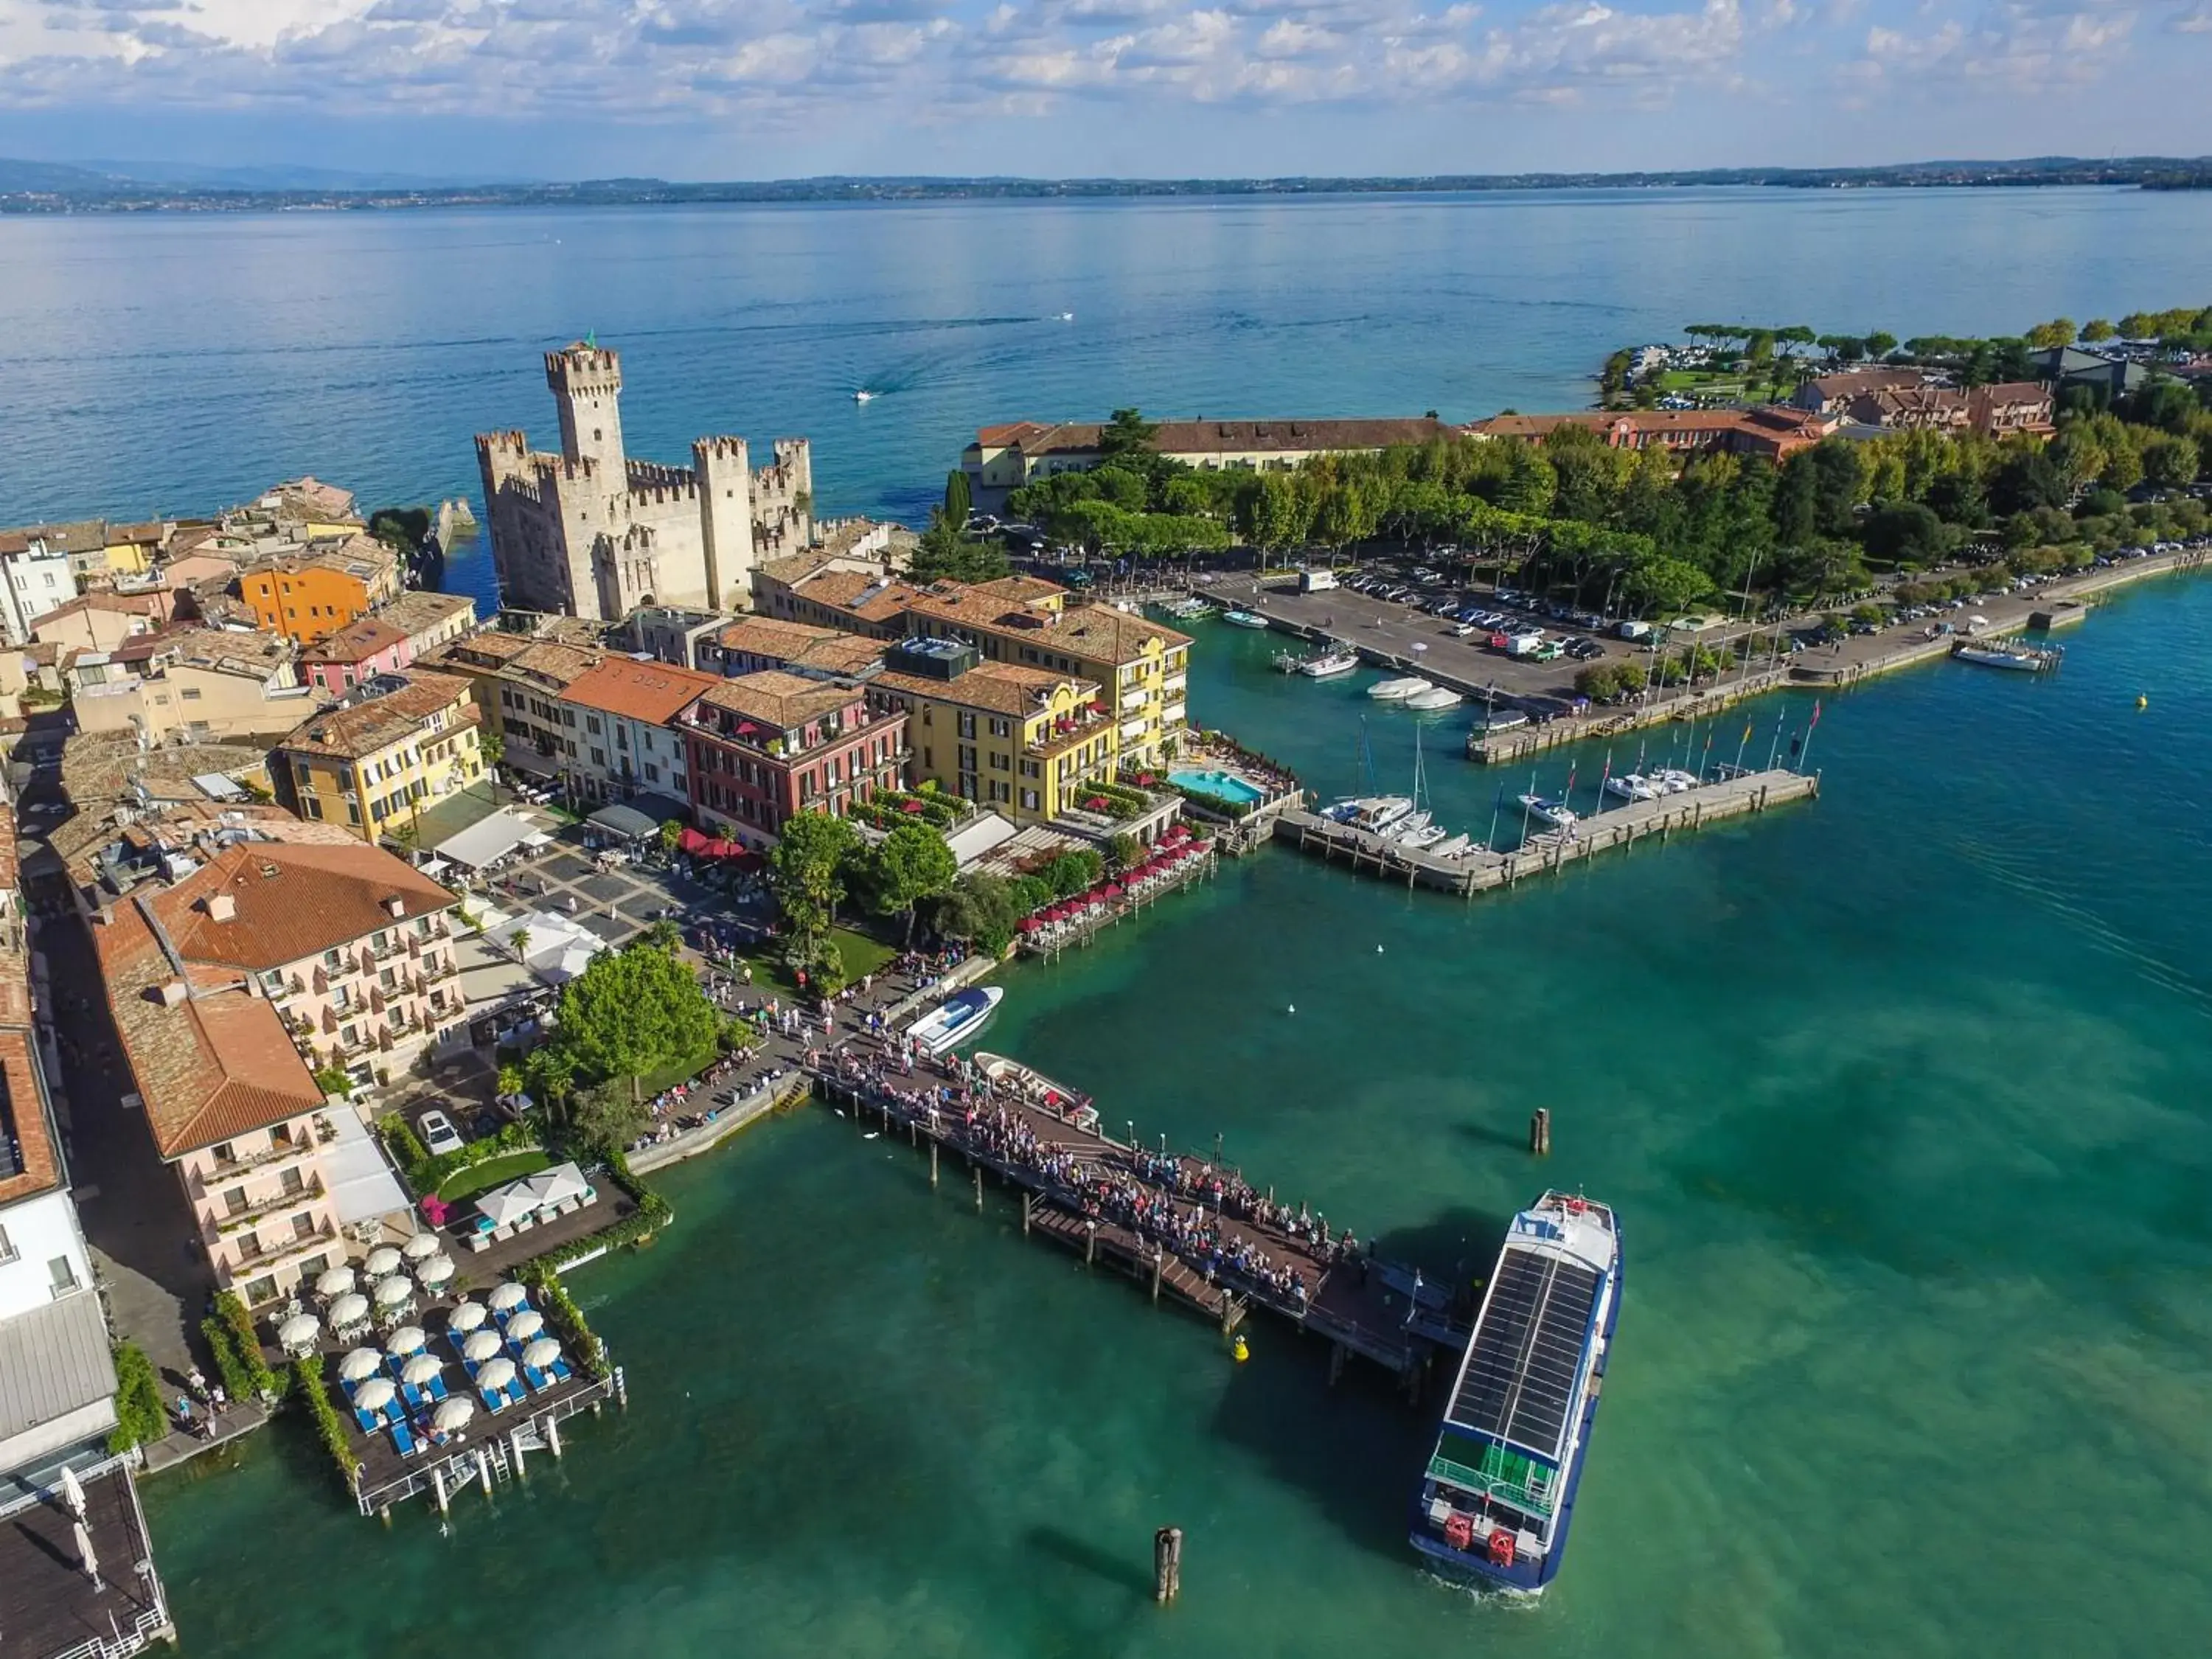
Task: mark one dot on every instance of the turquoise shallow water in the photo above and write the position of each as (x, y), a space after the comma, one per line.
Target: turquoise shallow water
(1899, 1094)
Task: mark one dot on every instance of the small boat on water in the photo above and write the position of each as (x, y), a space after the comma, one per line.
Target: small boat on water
(1035, 1086)
(1435, 697)
(1397, 690)
(958, 1019)
(1673, 780)
(1452, 849)
(1369, 812)
(1190, 608)
(1546, 809)
(1329, 664)
(1497, 1497)
(862, 397)
(2014, 658)
(1411, 824)
(1423, 839)
(1243, 619)
(1633, 785)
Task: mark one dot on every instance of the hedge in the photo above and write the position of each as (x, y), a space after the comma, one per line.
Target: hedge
(237, 1380)
(141, 1417)
(653, 1213)
(308, 1384)
(564, 1315)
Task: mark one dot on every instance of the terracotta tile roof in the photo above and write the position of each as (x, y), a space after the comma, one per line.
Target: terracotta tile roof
(1297, 436)
(361, 557)
(1001, 688)
(1019, 589)
(31, 1166)
(654, 692)
(216, 1064)
(798, 566)
(829, 649)
(487, 650)
(366, 727)
(291, 901)
(991, 437)
(137, 535)
(1852, 382)
(863, 594)
(418, 611)
(1108, 635)
(358, 641)
(231, 650)
(780, 700)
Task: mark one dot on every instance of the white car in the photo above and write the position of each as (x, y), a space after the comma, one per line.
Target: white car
(438, 1135)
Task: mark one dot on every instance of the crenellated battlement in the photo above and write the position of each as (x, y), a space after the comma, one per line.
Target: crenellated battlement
(581, 370)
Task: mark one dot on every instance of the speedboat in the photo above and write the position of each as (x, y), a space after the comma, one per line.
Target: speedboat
(1395, 691)
(1243, 619)
(1632, 785)
(1546, 809)
(1452, 849)
(1412, 824)
(1422, 839)
(1036, 1087)
(1436, 696)
(960, 1016)
(1329, 664)
(1369, 812)
(1673, 780)
(862, 396)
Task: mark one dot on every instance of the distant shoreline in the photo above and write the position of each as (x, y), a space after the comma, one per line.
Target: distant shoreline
(38, 188)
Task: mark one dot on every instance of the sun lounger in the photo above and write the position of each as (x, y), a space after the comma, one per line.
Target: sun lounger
(559, 1370)
(537, 1380)
(370, 1421)
(415, 1397)
(479, 1243)
(495, 1400)
(437, 1390)
(402, 1438)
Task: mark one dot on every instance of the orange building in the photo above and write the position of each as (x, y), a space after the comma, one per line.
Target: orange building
(308, 596)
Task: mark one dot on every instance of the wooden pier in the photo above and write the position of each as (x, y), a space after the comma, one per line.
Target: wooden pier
(1381, 1311)
(1620, 826)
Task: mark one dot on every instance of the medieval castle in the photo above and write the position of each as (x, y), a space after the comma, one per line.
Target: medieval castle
(591, 532)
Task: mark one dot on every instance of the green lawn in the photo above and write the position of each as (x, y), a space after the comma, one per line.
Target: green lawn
(682, 1072)
(862, 955)
(492, 1172)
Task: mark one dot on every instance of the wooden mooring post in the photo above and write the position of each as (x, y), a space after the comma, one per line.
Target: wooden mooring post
(932, 1166)
(1167, 1564)
(979, 1189)
(1539, 1132)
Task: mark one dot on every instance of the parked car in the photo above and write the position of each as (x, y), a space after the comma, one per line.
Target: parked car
(438, 1135)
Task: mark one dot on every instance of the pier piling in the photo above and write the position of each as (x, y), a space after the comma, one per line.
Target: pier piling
(932, 1166)
(979, 1189)
(1167, 1564)
(1539, 1132)
(1027, 1198)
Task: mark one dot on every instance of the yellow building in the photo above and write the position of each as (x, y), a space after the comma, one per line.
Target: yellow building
(1140, 667)
(376, 762)
(1027, 741)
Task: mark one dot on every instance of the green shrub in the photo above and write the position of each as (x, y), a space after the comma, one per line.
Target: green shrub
(237, 1380)
(308, 1384)
(562, 1314)
(141, 1416)
(239, 1324)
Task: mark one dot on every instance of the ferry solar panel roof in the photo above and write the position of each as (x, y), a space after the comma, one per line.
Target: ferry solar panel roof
(1519, 1380)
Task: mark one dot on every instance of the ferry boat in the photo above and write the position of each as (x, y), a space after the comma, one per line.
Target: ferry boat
(1033, 1085)
(1499, 1495)
(1545, 810)
(958, 1019)
(1329, 664)
(1243, 619)
(2019, 659)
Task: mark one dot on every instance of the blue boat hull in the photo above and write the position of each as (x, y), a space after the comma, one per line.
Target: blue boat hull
(1527, 1575)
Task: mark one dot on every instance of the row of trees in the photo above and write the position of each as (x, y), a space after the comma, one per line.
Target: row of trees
(820, 861)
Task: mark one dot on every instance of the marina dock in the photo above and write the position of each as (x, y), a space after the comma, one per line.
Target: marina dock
(1619, 826)
(1380, 1311)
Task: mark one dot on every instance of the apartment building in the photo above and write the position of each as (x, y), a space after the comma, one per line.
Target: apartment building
(619, 728)
(228, 987)
(764, 746)
(36, 576)
(811, 650)
(1024, 740)
(309, 596)
(373, 764)
(518, 681)
(204, 683)
(358, 653)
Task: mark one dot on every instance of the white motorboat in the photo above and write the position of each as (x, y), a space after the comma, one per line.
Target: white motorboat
(1452, 849)
(960, 1016)
(1036, 1087)
(1546, 809)
(1632, 785)
(1397, 690)
(2012, 656)
(1244, 619)
(1369, 812)
(1423, 839)
(1435, 697)
(1673, 780)
(862, 397)
(1329, 664)
(1411, 824)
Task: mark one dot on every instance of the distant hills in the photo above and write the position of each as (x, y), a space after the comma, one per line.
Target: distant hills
(137, 186)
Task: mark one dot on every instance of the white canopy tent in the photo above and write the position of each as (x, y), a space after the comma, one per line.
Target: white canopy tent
(487, 840)
(505, 1204)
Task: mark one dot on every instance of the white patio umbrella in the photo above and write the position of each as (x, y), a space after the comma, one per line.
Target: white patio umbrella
(350, 1309)
(360, 1363)
(421, 1245)
(334, 1283)
(299, 1331)
(435, 1271)
(525, 1324)
(453, 1414)
(482, 1346)
(541, 1354)
(466, 1317)
(506, 1294)
(374, 1395)
(408, 1339)
(420, 1369)
(383, 1261)
(390, 1292)
(495, 1374)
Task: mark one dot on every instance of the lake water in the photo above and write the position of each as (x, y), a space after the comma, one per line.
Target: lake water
(1900, 1093)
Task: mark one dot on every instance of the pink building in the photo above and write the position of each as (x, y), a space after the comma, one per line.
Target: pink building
(362, 649)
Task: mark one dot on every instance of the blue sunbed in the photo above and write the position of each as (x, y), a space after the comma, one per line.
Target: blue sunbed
(560, 1371)
(370, 1421)
(537, 1380)
(437, 1388)
(402, 1437)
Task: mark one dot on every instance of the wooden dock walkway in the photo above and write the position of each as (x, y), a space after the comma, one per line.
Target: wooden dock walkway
(1381, 1311)
(1622, 826)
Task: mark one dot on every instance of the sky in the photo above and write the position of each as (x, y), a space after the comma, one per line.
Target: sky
(1165, 89)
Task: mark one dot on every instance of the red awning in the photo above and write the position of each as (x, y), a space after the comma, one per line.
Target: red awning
(1030, 924)
(696, 842)
(910, 806)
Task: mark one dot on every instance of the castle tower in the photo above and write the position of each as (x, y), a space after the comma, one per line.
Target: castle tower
(586, 387)
(726, 520)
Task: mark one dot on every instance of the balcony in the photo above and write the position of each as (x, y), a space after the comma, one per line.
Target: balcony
(1173, 686)
(265, 1256)
(1176, 714)
(217, 1227)
(222, 1172)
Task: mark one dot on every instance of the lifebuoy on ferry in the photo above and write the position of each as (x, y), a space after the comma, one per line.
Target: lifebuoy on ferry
(1501, 1548)
(1459, 1531)
(1575, 1205)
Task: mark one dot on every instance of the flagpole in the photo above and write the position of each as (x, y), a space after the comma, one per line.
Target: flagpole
(1524, 803)
(1774, 749)
(1741, 746)
(1806, 748)
(1607, 779)
(1705, 758)
(1496, 807)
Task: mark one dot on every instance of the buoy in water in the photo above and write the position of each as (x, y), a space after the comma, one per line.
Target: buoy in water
(1294, 1007)
(1241, 1352)
(2142, 701)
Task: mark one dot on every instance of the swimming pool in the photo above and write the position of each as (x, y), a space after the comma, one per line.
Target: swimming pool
(1222, 786)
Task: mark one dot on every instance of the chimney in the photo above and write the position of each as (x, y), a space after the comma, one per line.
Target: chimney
(220, 907)
(105, 916)
(395, 907)
(174, 994)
